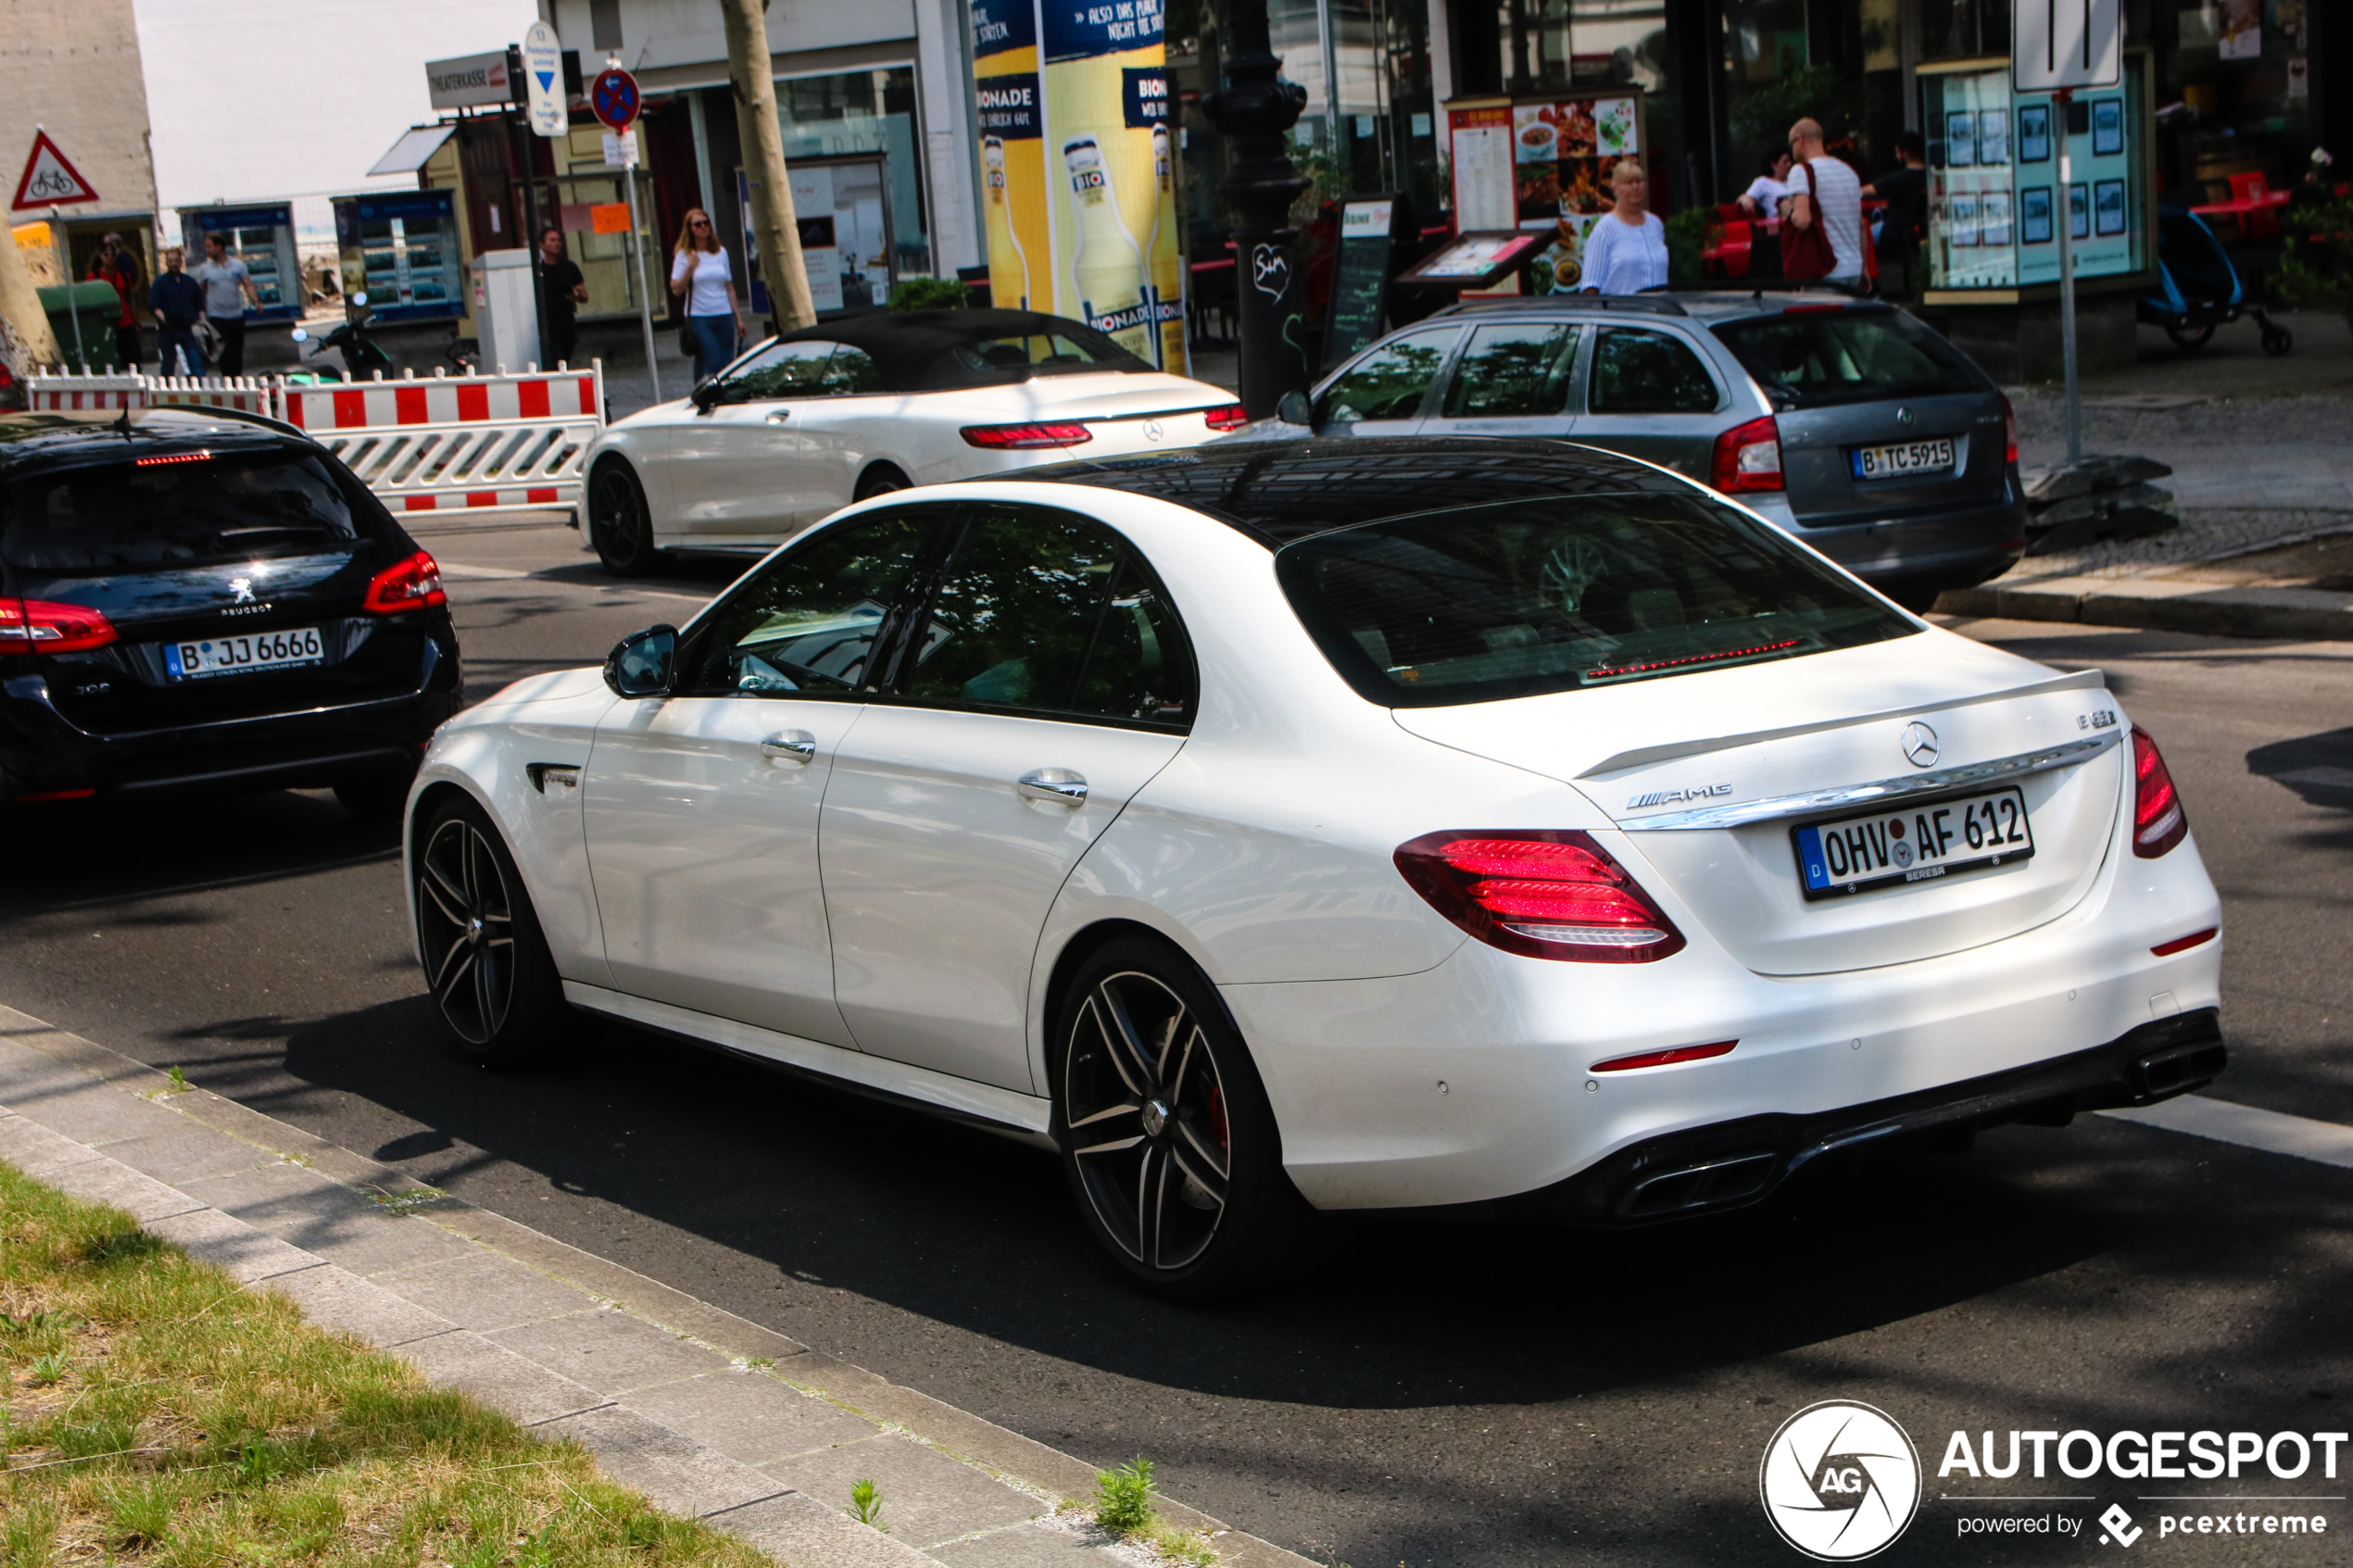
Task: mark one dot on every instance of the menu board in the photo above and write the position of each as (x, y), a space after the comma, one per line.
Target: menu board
(1480, 136)
(1554, 174)
(1360, 275)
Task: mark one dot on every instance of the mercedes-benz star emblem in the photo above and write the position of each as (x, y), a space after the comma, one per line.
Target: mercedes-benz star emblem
(1919, 744)
(1152, 431)
(1906, 417)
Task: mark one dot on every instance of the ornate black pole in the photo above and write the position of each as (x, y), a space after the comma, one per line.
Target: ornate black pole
(1255, 111)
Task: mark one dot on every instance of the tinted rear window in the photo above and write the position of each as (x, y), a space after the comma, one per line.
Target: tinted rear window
(185, 510)
(1811, 359)
(1524, 597)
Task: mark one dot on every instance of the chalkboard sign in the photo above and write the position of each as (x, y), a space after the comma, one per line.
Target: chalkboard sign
(1360, 276)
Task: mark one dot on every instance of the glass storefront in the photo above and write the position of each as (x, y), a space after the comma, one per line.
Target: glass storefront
(828, 118)
(2240, 71)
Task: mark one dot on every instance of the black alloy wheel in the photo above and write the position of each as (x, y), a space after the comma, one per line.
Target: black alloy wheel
(619, 524)
(1166, 1135)
(485, 961)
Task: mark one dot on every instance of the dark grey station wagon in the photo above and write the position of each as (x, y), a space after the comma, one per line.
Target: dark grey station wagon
(1845, 421)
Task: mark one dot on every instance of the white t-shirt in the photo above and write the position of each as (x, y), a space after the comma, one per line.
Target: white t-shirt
(1766, 192)
(707, 294)
(1838, 197)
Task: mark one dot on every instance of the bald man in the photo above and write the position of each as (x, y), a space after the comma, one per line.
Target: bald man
(1825, 191)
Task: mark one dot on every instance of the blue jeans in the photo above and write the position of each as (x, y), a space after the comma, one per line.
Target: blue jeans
(714, 343)
(173, 341)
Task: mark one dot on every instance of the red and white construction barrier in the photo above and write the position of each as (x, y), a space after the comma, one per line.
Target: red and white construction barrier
(60, 395)
(455, 444)
(497, 443)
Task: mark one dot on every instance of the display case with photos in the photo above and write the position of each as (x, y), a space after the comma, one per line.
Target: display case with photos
(1993, 159)
(1543, 163)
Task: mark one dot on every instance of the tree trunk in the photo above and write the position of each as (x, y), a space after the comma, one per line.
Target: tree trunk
(749, 73)
(26, 341)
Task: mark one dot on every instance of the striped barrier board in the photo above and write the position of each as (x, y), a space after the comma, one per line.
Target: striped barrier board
(495, 443)
(455, 444)
(249, 395)
(68, 394)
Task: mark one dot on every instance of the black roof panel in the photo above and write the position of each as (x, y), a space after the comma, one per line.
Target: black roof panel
(1278, 491)
(911, 349)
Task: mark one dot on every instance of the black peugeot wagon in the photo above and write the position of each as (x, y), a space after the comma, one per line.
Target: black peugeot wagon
(194, 598)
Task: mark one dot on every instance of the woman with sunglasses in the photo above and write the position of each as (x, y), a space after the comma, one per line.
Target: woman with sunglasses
(698, 273)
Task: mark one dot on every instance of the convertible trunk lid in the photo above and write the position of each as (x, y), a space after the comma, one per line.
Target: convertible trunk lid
(1714, 776)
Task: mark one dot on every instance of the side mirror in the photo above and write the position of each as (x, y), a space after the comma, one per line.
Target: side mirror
(1295, 410)
(705, 397)
(641, 664)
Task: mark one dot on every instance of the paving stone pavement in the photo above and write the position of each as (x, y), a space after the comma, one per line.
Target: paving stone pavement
(707, 1414)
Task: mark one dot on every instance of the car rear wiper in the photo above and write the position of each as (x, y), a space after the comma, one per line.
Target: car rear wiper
(276, 530)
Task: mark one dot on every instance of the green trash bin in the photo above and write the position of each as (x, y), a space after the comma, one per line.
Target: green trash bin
(98, 307)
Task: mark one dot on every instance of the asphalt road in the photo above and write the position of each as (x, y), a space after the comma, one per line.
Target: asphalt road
(1424, 1393)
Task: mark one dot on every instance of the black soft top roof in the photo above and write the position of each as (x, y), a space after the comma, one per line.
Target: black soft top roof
(29, 440)
(914, 349)
(1277, 492)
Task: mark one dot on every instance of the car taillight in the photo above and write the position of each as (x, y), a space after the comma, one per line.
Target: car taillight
(1233, 416)
(415, 583)
(999, 438)
(1543, 893)
(1748, 457)
(2010, 429)
(2158, 822)
(38, 626)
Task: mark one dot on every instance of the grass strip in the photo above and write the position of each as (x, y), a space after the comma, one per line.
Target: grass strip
(160, 1414)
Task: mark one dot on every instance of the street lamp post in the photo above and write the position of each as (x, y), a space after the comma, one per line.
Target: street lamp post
(1255, 111)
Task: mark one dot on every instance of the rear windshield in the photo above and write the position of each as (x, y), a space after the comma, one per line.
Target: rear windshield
(1809, 358)
(1522, 598)
(176, 509)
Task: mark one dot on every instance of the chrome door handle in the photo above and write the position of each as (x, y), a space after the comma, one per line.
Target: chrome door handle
(791, 745)
(779, 416)
(1059, 784)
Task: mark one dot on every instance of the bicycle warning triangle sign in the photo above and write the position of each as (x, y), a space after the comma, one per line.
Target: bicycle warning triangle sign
(50, 178)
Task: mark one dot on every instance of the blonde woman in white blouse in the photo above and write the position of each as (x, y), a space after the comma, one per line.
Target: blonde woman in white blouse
(699, 275)
(1626, 248)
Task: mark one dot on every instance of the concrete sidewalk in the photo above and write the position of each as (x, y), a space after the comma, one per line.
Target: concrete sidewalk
(707, 1414)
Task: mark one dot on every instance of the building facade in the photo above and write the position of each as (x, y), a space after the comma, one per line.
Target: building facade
(69, 69)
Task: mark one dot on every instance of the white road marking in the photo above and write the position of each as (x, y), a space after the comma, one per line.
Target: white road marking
(459, 569)
(2273, 1132)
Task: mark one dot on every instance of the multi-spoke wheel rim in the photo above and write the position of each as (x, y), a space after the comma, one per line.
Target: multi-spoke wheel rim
(467, 919)
(615, 513)
(1144, 1107)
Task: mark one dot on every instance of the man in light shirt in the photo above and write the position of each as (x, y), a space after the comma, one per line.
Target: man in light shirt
(1836, 201)
(227, 287)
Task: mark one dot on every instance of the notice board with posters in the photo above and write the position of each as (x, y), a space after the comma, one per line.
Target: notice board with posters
(1993, 198)
(1543, 161)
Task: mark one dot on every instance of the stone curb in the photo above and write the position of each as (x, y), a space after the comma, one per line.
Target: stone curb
(2302, 614)
(707, 1414)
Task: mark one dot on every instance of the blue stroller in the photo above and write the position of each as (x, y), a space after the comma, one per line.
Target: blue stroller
(2198, 289)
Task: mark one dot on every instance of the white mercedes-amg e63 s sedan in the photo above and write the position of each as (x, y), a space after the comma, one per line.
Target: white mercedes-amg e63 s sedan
(806, 423)
(1372, 822)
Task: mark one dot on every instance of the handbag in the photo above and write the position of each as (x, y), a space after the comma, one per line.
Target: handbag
(1807, 253)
